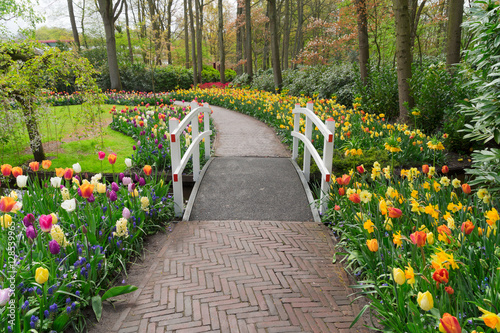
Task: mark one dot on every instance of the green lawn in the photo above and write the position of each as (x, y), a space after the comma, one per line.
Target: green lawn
(80, 133)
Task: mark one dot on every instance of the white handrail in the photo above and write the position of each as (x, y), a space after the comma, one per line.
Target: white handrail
(324, 164)
(179, 162)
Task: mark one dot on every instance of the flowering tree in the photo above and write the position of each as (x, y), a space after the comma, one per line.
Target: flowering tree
(26, 70)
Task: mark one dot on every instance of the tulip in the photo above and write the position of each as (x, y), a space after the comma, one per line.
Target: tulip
(112, 196)
(4, 296)
(341, 191)
(425, 168)
(69, 205)
(54, 247)
(112, 158)
(46, 164)
(41, 275)
(467, 227)
(77, 167)
(31, 232)
(142, 182)
(86, 190)
(121, 176)
(17, 171)
(445, 169)
(55, 182)
(91, 199)
(68, 173)
(449, 324)
(21, 181)
(115, 187)
(360, 168)
(101, 188)
(490, 319)
(147, 170)
(337, 207)
(128, 162)
(126, 181)
(346, 179)
(466, 188)
(425, 300)
(101, 155)
(394, 212)
(399, 276)
(45, 222)
(418, 238)
(372, 244)
(6, 170)
(6, 204)
(54, 218)
(126, 213)
(35, 166)
(430, 238)
(449, 290)
(6, 221)
(59, 172)
(440, 276)
(28, 220)
(355, 198)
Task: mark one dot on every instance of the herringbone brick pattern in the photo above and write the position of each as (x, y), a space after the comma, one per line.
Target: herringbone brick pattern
(242, 276)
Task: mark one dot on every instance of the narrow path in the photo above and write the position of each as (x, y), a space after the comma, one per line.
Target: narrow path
(241, 270)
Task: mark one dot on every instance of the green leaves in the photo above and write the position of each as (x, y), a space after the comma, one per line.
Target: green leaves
(112, 292)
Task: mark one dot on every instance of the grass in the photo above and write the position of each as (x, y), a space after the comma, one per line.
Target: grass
(82, 133)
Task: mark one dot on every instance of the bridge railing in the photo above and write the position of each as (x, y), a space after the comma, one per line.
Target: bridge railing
(179, 162)
(324, 164)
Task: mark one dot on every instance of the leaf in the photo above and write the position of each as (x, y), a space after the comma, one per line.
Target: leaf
(61, 322)
(117, 291)
(97, 306)
(363, 310)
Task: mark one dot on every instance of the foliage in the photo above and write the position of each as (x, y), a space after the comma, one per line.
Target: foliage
(432, 234)
(83, 246)
(482, 73)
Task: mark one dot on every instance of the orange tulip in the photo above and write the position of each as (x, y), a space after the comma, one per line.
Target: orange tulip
(112, 158)
(59, 172)
(425, 168)
(46, 164)
(360, 169)
(17, 171)
(6, 169)
(440, 276)
(86, 190)
(466, 188)
(34, 166)
(68, 173)
(147, 170)
(418, 238)
(467, 227)
(444, 233)
(445, 169)
(345, 180)
(449, 290)
(341, 191)
(449, 324)
(355, 198)
(372, 244)
(6, 204)
(394, 212)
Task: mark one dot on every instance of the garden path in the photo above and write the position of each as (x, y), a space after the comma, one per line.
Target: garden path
(237, 272)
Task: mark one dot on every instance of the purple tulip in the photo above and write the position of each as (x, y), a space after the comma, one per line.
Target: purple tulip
(126, 213)
(77, 177)
(31, 232)
(91, 199)
(79, 191)
(115, 187)
(142, 182)
(120, 177)
(113, 196)
(136, 177)
(160, 146)
(156, 141)
(28, 220)
(54, 247)
(134, 148)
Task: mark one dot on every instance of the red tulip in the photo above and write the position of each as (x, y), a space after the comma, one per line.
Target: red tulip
(355, 198)
(17, 171)
(45, 222)
(466, 188)
(450, 324)
(418, 238)
(68, 173)
(425, 168)
(345, 180)
(112, 158)
(6, 170)
(341, 191)
(394, 212)
(360, 169)
(445, 169)
(34, 166)
(6, 204)
(440, 276)
(449, 290)
(467, 227)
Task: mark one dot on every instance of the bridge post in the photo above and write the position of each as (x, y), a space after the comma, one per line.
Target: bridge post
(206, 127)
(296, 128)
(327, 160)
(194, 134)
(308, 134)
(175, 152)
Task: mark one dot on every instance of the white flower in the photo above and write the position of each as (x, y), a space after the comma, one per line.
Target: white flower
(77, 168)
(21, 181)
(69, 205)
(96, 178)
(128, 162)
(55, 181)
(4, 296)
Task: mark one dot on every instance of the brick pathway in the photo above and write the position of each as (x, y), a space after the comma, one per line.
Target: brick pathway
(241, 276)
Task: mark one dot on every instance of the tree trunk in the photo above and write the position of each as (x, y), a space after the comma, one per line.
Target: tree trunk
(107, 12)
(403, 57)
(222, 54)
(199, 38)
(32, 127)
(363, 40)
(239, 37)
(455, 15)
(186, 33)
(278, 81)
(286, 34)
(82, 25)
(169, 31)
(129, 41)
(298, 35)
(265, 52)
(73, 23)
(193, 42)
(154, 17)
(248, 39)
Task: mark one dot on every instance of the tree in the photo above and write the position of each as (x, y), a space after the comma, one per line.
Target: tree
(110, 13)
(186, 32)
(403, 57)
(248, 39)
(364, 49)
(193, 43)
(25, 72)
(275, 57)
(455, 15)
(222, 54)
(73, 23)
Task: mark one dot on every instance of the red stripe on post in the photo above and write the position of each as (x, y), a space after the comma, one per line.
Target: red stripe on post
(327, 178)
(330, 137)
(176, 177)
(172, 137)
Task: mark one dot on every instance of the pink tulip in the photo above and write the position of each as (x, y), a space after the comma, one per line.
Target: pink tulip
(45, 223)
(102, 155)
(4, 296)
(126, 213)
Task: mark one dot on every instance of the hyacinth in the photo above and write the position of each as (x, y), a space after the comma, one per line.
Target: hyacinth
(57, 234)
(121, 228)
(145, 204)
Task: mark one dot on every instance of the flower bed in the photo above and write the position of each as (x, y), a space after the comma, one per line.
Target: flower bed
(63, 240)
(425, 248)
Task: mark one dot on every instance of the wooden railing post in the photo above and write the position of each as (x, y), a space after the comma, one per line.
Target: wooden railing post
(296, 128)
(307, 153)
(327, 160)
(194, 134)
(206, 127)
(175, 153)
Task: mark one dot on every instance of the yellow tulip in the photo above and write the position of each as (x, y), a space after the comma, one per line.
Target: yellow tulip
(425, 300)
(101, 188)
(54, 218)
(372, 244)
(399, 276)
(6, 221)
(41, 275)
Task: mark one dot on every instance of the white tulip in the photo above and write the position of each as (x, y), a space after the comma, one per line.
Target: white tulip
(5, 296)
(77, 168)
(128, 162)
(55, 181)
(69, 205)
(21, 181)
